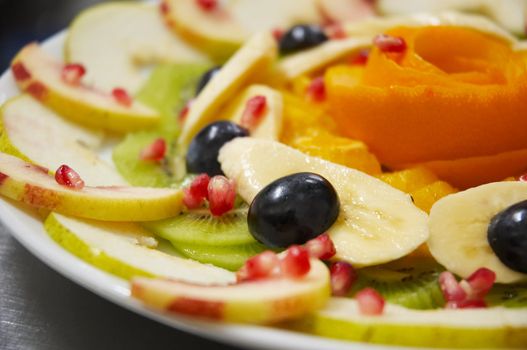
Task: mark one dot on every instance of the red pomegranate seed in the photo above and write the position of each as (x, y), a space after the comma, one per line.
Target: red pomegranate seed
(164, 7)
(388, 43)
(190, 201)
(316, 91)
(361, 58)
(3, 177)
(466, 304)
(66, 176)
(450, 287)
(184, 111)
(321, 247)
(335, 31)
(122, 97)
(221, 195)
(523, 178)
(478, 285)
(73, 73)
(295, 262)
(20, 72)
(260, 266)
(207, 5)
(278, 33)
(254, 110)
(370, 302)
(156, 151)
(343, 276)
(37, 90)
(197, 192)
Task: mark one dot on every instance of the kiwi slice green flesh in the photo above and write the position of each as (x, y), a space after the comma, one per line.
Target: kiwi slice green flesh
(228, 257)
(202, 229)
(508, 295)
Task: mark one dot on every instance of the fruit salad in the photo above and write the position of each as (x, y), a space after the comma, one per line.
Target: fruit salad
(332, 167)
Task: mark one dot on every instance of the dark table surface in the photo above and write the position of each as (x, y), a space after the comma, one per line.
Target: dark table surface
(40, 309)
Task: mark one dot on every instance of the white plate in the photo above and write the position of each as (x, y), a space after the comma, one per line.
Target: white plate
(29, 231)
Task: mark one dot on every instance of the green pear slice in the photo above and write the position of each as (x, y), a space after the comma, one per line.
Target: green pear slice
(509, 14)
(496, 327)
(310, 60)
(270, 125)
(30, 184)
(222, 31)
(377, 223)
(128, 49)
(57, 141)
(459, 224)
(248, 64)
(127, 250)
(259, 302)
(82, 104)
(375, 25)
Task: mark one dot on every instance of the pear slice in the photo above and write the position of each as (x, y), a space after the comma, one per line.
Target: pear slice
(39, 74)
(259, 302)
(222, 31)
(345, 10)
(377, 223)
(496, 327)
(270, 125)
(507, 13)
(127, 250)
(33, 185)
(128, 49)
(249, 63)
(459, 224)
(57, 141)
(310, 60)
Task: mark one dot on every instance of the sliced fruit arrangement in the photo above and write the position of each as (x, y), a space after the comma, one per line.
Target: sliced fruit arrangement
(59, 87)
(33, 185)
(377, 223)
(478, 328)
(129, 49)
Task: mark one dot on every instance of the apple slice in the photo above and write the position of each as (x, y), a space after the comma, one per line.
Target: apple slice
(345, 10)
(126, 250)
(40, 75)
(57, 141)
(270, 122)
(261, 302)
(33, 185)
(128, 49)
(252, 61)
(310, 60)
(222, 30)
(507, 13)
(495, 327)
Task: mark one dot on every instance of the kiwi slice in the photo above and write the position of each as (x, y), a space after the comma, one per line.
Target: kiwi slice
(508, 295)
(411, 282)
(229, 257)
(196, 228)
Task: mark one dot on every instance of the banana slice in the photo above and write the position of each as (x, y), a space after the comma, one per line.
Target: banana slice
(377, 223)
(458, 229)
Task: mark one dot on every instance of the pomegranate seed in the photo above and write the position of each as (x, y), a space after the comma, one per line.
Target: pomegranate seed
(195, 195)
(156, 151)
(316, 91)
(295, 263)
(361, 58)
(122, 97)
(321, 247)
(191, 201)
(221, 195)
(37, 90)
(73, 73)
(207, 5)
(20, 72)
(66, 176)
(479, 283)
(523, 177)
(370, 302)
(3, 177)
(343, 276)
(388, 43)
(450, 287)
(254, 110)
(335, 31)
(466, 304)
(184, 111)
(278, 33)
(260, 266)
(164, 8)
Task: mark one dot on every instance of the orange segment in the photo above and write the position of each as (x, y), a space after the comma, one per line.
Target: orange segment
(426, 196)
(410, 179)
(461, 96)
